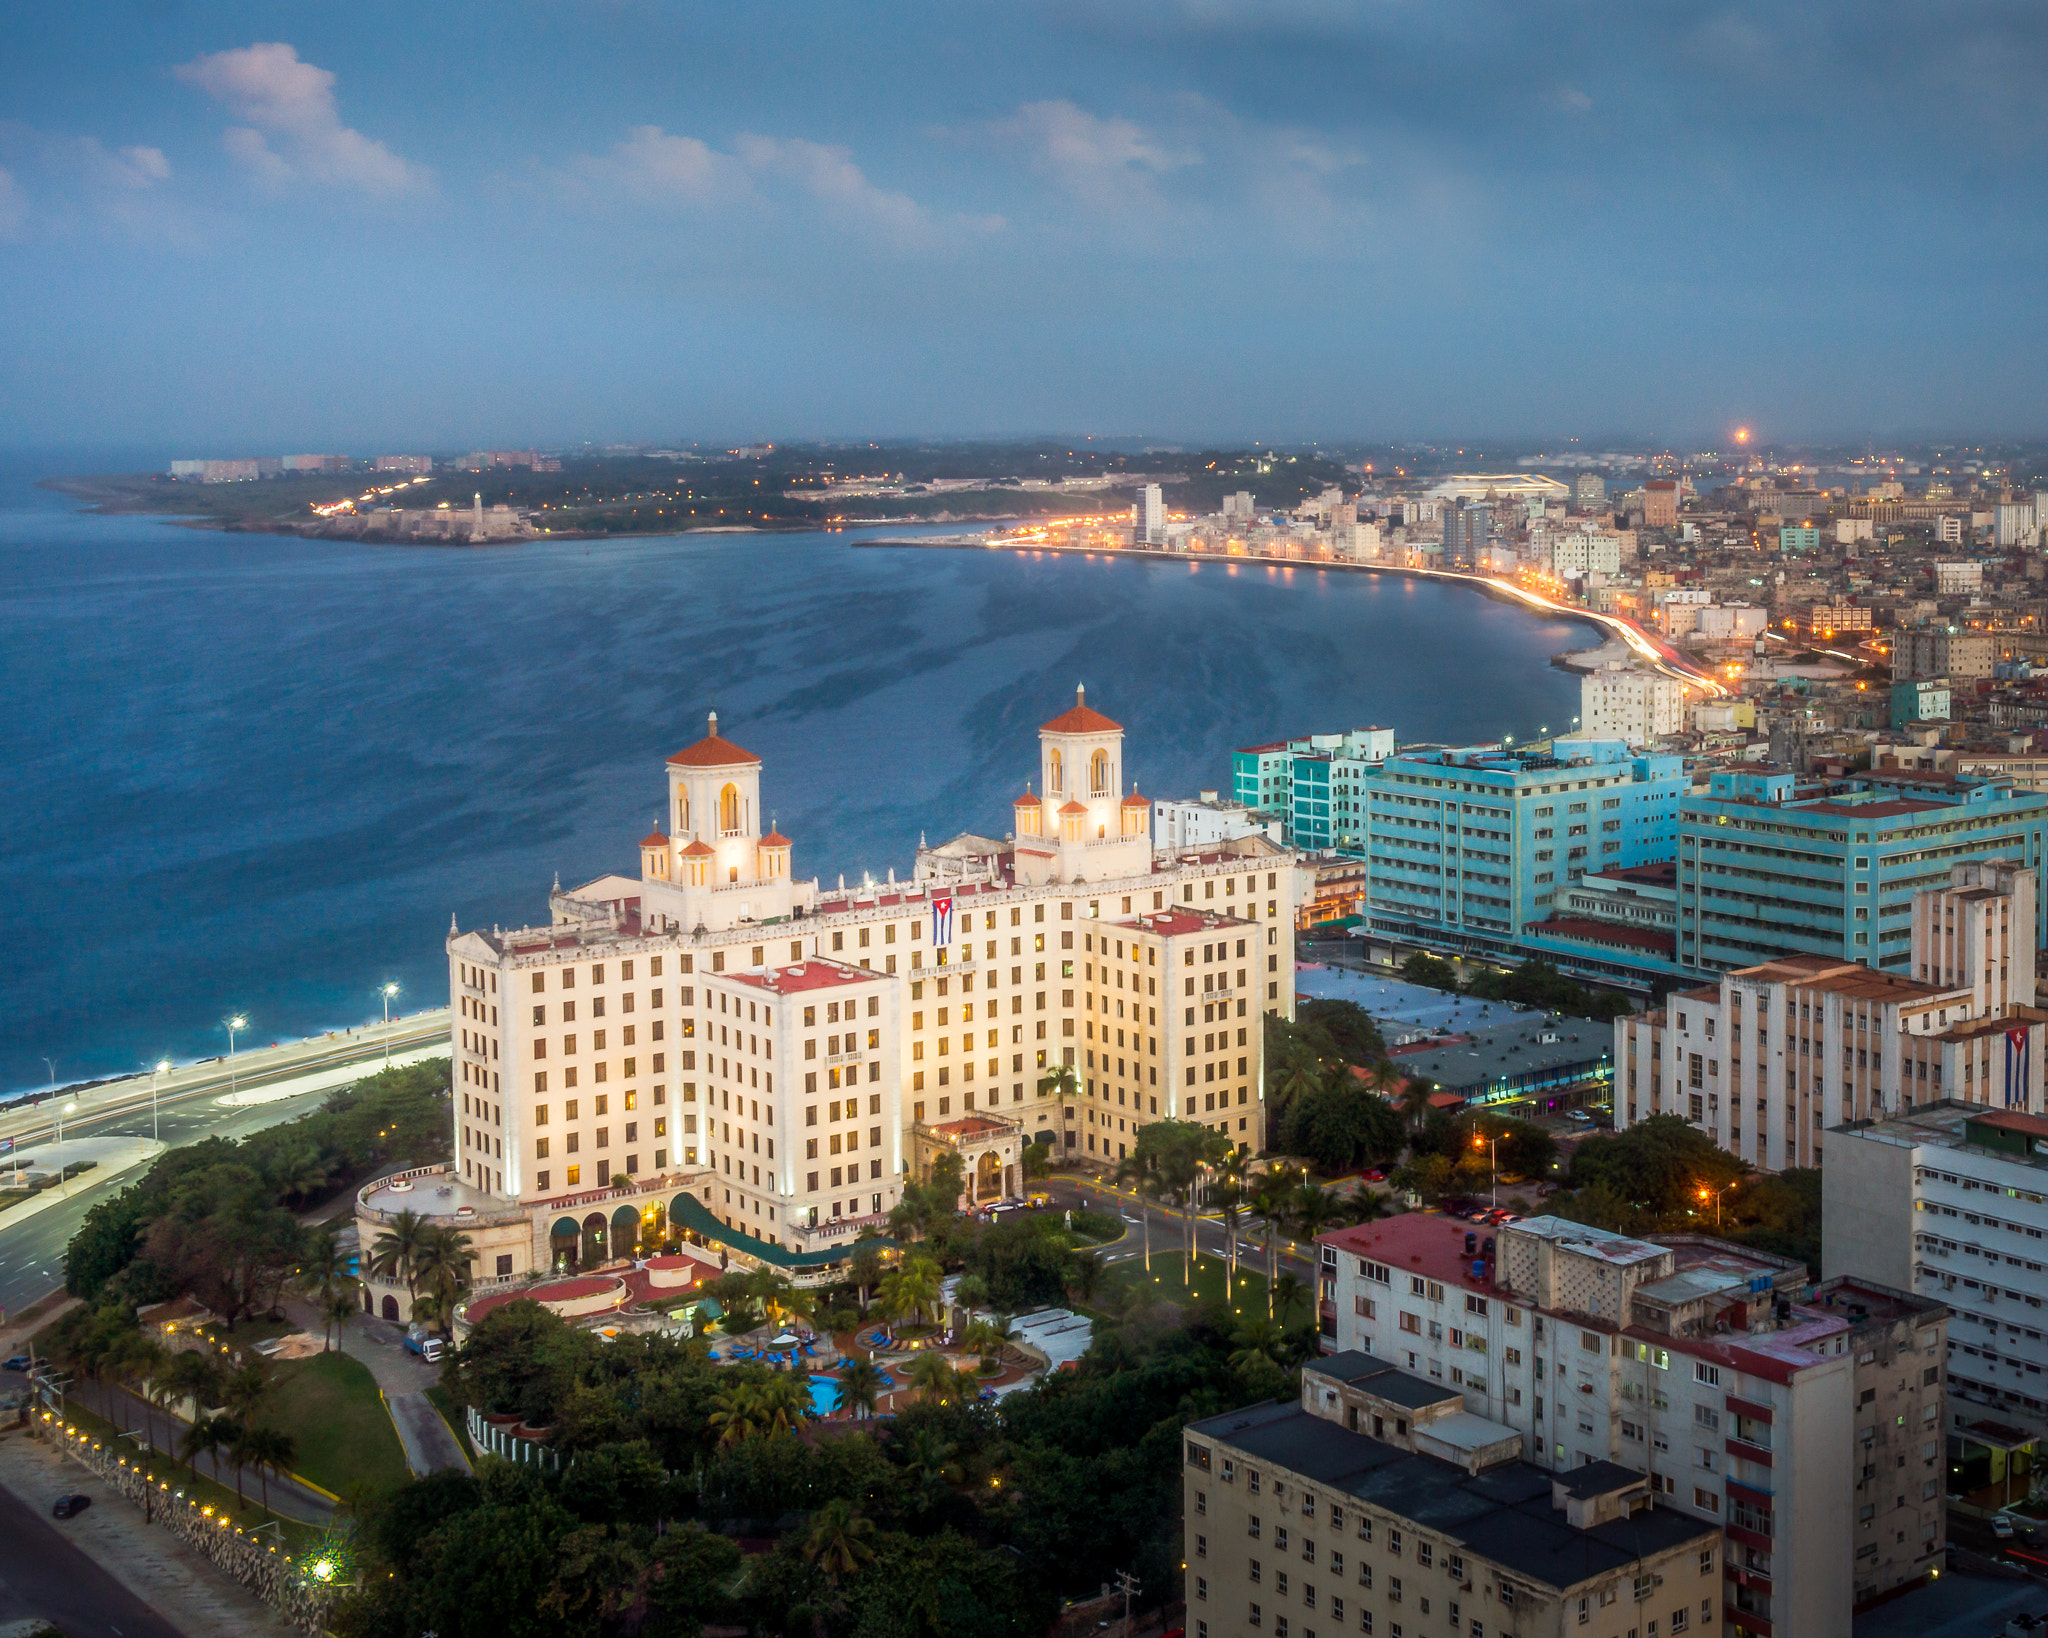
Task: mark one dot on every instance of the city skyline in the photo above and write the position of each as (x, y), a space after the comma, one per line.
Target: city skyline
(1282, 221)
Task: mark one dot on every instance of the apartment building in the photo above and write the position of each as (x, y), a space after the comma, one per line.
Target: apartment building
(714, 1044)
(1941, 652)
(1773, 1055)
(1769, 865)
(1378, 1504)
(1638, 707)
(1326, 789)
(1950, 1201)
(1807, 1427)
(1468, 847)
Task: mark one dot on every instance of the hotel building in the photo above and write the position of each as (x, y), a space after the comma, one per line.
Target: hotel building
(714, 1046)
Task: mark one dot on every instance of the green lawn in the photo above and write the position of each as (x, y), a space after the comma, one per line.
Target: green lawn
(329, 1404)
(1248, 1288)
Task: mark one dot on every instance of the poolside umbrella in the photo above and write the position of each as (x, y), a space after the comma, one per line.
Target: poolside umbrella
(782, 1341)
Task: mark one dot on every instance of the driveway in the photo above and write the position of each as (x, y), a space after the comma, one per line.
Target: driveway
(429, 1442)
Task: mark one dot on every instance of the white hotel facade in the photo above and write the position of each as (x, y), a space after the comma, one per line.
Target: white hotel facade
(715, 1047)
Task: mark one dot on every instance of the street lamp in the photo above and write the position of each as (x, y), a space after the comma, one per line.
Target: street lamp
(1713, 1194)
(1491, 1144)
(69, 1106)
(161, 1067)
(237, 1022)
(387, 991)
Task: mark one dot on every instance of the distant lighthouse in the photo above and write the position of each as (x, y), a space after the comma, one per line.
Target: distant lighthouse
(476, 518)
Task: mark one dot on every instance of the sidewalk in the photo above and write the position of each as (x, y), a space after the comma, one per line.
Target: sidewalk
(111, 1156)
(404, 1378)
(149, 1561)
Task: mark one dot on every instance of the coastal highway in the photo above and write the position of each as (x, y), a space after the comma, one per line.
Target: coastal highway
(269, 1085)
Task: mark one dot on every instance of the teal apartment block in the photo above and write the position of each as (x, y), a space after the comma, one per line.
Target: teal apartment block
(1468, 847)
(1315, 783)
(1768, 866)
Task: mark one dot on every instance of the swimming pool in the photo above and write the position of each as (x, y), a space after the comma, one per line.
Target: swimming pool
(824, 1395)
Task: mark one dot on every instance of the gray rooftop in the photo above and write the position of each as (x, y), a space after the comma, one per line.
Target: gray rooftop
(1376, 1377)
(1505, 1051)
(1503, 1514)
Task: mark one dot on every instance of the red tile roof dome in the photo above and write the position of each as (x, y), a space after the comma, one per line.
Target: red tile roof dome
(712, 752)
(654, 838)
(1134, 800)
(698, 848)
(1081, 720)
(775, 838)
(1072, 808)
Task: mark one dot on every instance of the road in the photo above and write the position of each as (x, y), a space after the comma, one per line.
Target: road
(32, 1251)
(42, 1574)
(1298, 1259)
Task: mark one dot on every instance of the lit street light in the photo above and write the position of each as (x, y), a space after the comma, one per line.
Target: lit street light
(162, 1067)
(238, 1022)
(387, 991)
(1715, 1195)
(69, 1106)
(1492, 1147)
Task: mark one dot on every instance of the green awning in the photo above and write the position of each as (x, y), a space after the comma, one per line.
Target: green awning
(692, 1213)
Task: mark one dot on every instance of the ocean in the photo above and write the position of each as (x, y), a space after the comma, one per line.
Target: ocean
(256, 774)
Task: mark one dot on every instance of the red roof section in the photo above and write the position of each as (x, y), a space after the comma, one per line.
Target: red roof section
(1134, 800)
(700, 846)
(1027, 800)
(1073, 807)
(1081, 720)
(654, 838)
(814, 974)
(712, 751)
(1588, 931)
(775, 838)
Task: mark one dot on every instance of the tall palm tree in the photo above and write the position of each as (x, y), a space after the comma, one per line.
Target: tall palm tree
(1230, 1206)
(867, 1270)
(1256, 1340)
(838, 1540)
(1414, 1101)
(1269, 1201)
(1287, 1291)
(394, 1255)
(441, 1265)
(194, 1376)
(143, 1360)
(1135, 1173)
(1060, 1083)
(338, 1309)
(269, 1450)
(1310, 1210)
(861, 1383)
(302, 1174)
(929, 1459)
(209, 1436)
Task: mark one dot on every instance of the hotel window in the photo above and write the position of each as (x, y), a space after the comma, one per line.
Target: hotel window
(575, 1175)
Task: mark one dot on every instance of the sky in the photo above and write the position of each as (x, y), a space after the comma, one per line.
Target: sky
(239, 228)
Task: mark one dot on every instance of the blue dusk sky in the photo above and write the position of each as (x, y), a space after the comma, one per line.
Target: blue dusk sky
(235, 228)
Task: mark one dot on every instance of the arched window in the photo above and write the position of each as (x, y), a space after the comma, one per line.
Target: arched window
(1055, 777)
(1098, 773)
(729, 809)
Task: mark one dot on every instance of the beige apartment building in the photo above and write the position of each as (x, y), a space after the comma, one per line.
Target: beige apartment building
(1806, 1426)
(1379, 1504)
(1772, 1056)
(718, 1048)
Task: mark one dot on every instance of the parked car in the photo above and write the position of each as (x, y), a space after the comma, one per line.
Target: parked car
(1378, 1174)
(20, 1362)
(70, 1506)
(2002, 1527)
(1039, 1198)
(1579, 1115)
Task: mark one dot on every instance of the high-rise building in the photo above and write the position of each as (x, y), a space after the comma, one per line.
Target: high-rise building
(1148, 516)
(1768, 866)
(1641, 707)
(1774, 1054)
(1468, 529)
(1660, 504)
(1950, 1200)
(2015, 524)
(1326, 789)
(1941, 652)
(1805, 1425)
(416, 464)
(1590, 490)
(617, 1066)
(1468, 847)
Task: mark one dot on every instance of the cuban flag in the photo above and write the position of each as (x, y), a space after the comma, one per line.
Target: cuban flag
(942, 920)
(2018, 1071)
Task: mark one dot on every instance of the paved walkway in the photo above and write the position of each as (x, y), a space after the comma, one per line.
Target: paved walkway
(429, 1442)
(176, 1583)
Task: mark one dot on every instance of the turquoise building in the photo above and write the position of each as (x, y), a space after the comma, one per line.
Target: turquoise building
(1768, 866)
(1468, 847)
(1316, 784)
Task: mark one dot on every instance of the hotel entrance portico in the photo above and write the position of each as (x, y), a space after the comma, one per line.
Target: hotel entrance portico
(990, 1149)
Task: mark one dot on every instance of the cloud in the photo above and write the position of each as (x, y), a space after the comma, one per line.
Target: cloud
(1110, 163)
(60, 185)
(291, 103)
(656, 165)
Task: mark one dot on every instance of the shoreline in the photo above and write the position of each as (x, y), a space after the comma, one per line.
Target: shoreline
(1647, 651)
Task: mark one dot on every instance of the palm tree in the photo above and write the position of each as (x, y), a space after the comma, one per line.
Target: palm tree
(441, 1264)
(209, 1435)
(1230, 1205)
(302, 1174)
(1269, 1201)
(837, 1542)
(269, 1450)
(861, 1382)
(1134, 1173)
(1287, 1291)
(867, 1270)
(394, 1255)
(1414, 1101)
(194, 1376)
(1364, 1204)
(911, 1288)
(928, 1459)
(143, 1359)
(336, 1310)
(736, 1413)
(1059, 1083)
(932, 1374)
(985, 1340)
(781, 1404)
(244, 1392)
(1310, 1210)
(1257, 1340)
(324, 1269)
